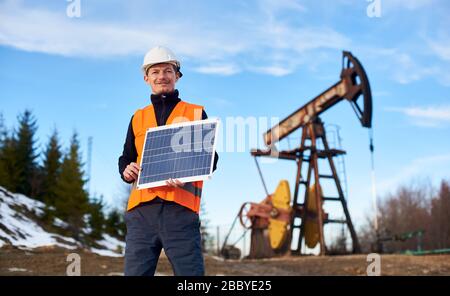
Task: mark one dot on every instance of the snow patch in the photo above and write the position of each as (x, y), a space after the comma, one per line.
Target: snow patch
(60, 223)
(17, 229)
(22, 231)
(112, 247)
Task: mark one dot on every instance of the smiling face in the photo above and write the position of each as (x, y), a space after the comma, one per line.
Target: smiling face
(161, 78)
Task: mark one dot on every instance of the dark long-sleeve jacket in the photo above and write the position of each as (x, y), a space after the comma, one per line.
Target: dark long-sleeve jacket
(163, 105)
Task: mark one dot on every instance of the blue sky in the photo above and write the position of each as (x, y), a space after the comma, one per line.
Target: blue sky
(239, 58)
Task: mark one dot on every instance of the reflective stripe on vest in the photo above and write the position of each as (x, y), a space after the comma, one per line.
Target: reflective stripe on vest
(188, 195)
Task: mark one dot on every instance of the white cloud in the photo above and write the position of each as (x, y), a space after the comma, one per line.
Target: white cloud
(53, 33)
(404, 67)
(442, 113)
(43, 30)
(269, 40)
(273, 70)
(407, 70)
(224, 69)
(430, 116)
(407, 4)
(441, 48)
(239, 42)
(427, 165)
(278, 5)
(392, 6)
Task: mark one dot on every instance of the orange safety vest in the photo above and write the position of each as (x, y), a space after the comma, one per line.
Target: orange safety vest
(188, 195)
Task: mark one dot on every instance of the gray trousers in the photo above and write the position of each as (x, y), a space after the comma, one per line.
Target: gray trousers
(160, 224)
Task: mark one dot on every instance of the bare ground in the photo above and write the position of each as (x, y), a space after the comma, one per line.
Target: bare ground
(52, 261)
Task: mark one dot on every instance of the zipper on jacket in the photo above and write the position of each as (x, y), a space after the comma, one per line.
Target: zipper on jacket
(161, 118)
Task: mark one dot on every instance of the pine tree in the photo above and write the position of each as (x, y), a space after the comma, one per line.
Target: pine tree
(3, 131)
(51, 169)
(25, 153)
(71, 203)
(8, 161)
(3, 137)
(115, 226)
(96, 218)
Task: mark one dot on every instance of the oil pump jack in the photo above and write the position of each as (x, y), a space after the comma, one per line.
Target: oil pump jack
(272, 221)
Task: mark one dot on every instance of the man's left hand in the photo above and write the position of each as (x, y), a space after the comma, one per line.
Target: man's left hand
(174, 183)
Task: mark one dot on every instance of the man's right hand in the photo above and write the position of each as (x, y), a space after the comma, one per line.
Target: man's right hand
(131, 172)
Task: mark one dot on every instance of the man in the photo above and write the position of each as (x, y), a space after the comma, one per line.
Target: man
(164, 217)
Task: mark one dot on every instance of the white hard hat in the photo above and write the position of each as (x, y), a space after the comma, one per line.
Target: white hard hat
(158, 55)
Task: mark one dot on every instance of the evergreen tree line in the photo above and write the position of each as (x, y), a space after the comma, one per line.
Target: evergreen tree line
(56, 178)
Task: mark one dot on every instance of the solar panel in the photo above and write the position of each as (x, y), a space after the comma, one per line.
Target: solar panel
(183, 151)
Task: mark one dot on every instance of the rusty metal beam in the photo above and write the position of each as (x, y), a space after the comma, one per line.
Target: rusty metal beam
(303, 115)
(353, 84)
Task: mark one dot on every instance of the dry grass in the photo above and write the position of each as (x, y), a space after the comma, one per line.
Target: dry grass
(52, 261)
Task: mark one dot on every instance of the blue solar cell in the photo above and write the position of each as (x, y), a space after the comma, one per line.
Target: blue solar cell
(178, 152)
